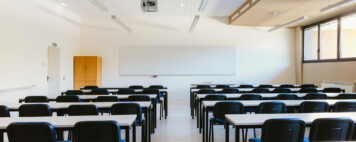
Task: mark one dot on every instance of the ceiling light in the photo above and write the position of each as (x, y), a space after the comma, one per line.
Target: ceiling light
(63, 4)
(337, 6)
(195, 21)
(181, 5)
(289, 23)
(203, 5)
(121, 23)
(99, 4)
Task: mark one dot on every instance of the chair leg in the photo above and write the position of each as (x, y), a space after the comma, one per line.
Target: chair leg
(160, 111)
(245, 139)
(254, 132)
(212, 132)
(209, 137)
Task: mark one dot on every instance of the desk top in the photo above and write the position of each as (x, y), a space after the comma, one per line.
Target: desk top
(68, 121)
(259, 119)
(250, 89)
(55, 105)
(266, 95)
(121, 96)
(255, 103)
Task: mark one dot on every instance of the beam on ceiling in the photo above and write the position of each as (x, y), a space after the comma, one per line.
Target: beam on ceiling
(242, 10)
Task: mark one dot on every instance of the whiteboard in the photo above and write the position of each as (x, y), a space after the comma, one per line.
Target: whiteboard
(175, 61)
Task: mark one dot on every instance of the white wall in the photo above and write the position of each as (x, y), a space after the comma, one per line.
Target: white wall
(27, 28)
(262, 57)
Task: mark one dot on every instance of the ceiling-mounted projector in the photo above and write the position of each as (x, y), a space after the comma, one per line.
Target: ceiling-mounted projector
(149, 6)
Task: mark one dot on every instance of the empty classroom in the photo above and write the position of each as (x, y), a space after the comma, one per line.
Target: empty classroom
(178, 71)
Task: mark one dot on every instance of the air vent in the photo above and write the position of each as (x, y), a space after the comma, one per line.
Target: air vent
(149, 6)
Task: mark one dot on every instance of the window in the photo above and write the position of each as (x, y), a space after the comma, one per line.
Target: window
(311, 43)
(328, 40)
(331, 40)
(348, 36)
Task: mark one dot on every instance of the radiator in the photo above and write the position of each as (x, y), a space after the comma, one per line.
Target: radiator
(348, 86)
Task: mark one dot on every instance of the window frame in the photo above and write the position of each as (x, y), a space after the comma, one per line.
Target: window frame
(318, 24)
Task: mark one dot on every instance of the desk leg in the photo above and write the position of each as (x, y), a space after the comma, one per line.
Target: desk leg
(127, 134)
(237, 134)
(203, 113)
(1, 136)
(166, 105)
(227, 136)
(198, 116)
(154, 114)
(206, 125)
(191, 103)
(134, 132)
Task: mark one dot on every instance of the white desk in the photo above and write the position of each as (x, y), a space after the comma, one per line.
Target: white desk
(67, 122)
(266, 95)
(251, 89)
(257, 120)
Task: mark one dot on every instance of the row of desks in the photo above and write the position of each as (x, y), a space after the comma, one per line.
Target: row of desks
(236, 85)
(209, 105)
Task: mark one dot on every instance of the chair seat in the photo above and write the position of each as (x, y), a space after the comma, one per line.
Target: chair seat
(254, 140)
(217, 120)
(306, 140)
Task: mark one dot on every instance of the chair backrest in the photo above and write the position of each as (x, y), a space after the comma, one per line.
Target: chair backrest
(98, 92)
(136, 87)
(271, 107)
(250, 97)
(265, 86)
(80, 110)
(97, 131)
(31, 132)
(156, 87)
(287, 97)
(230, 90)
(231, 107)
(74, 92)
(139, 98)
(345, 107)
(313, 96)
(308, 90)
(91, 87)
(67, 99)
(126, 91)
(286, 86)
(36, 99)
(203, 86)
(206, 91)
(260, 90)
(332, 90)
(215, 97)
(107, 99)
(331, 129)
(245, 86)
(308, 86)
(34, 110)
(283, 130)
(281, 90)
(4, 111)
(347, 96)
(313, 106)
(222, 86)
(150, 91)
(127, 108)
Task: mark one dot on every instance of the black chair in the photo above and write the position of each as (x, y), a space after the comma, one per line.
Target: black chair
(126, 91)
(128, 108)
(245, 86)
(206, 91)
(219, 111)
(203, 86)
(230, 90)
(80, 110)
(156, 87)
(313, 106)
(91, 87)
(215, 97)
(271, 107)
(222, 86)
(332, 90)
(250, 97)
(282, 90)
(315, 96)
(107, 99)
(34, 110)
(4, 111)
(136, 87)
(74, 92)
(287, 97)
(68, 99)
(36, 99)
(331, 129)
(308, 86)
(265, 86)
(98, 92)
(286, 86)
(139, 98)
(346, 96)
(308, 90)
(345, 107)
(282, 130)
(97, 131)
(260, 90)
(31, 132)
